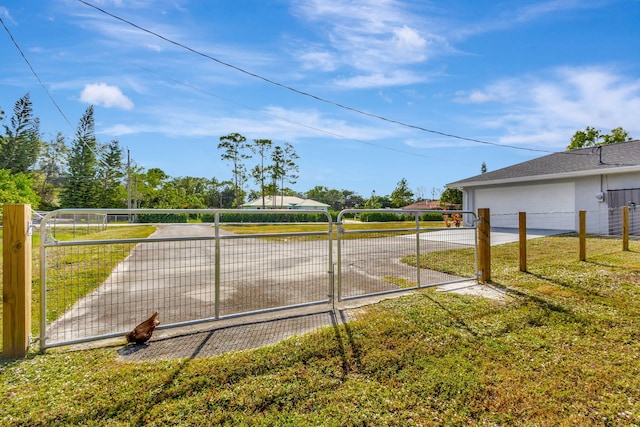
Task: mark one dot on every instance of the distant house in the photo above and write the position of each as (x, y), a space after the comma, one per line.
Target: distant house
(285, 202)
(598, 180)
(430, 205)
(423, 205)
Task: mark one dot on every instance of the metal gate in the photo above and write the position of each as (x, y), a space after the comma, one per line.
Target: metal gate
(93, 288)
(373, 262)
(618, 198)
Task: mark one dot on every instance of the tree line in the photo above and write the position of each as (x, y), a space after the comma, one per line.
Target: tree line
(85, 173)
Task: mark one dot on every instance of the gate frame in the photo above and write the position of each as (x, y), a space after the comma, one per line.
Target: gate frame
(466, 225)
(45, 242)
(333, 292)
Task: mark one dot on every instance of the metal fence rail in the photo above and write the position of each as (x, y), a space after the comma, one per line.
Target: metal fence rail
(371, 262)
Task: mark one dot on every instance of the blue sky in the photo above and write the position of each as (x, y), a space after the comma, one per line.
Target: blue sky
(522, 76)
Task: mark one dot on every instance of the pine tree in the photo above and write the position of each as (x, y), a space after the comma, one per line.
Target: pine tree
(81, 186)
(235, 147)
(283, 168)
(401, 195)
(262, 147)
(111, 176)
(20, 145)
(51, 169)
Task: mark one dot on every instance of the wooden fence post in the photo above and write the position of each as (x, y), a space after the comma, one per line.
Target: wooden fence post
(583, 235)
(484, 244)
(522, 233)
(625, 228)
(16, 289)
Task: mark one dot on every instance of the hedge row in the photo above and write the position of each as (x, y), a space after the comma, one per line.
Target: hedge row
(390, 216)
(250, 217)
(169, 218)
(268, 217)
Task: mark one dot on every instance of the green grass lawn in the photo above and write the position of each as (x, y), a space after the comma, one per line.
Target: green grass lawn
(562, 349)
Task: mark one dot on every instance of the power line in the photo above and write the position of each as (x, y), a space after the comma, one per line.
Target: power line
(35, 74)
(198, 89)
(301, 92)
(64, 116)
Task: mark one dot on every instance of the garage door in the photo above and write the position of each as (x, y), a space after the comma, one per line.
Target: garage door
(548, 206)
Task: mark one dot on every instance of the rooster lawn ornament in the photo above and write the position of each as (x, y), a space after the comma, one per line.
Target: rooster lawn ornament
(142, 333)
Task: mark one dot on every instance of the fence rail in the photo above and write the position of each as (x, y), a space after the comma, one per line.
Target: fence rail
(373, 265)
(602, 222)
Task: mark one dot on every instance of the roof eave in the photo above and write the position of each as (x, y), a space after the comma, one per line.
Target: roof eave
(546, 177)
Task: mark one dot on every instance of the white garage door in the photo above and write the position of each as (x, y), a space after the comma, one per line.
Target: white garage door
(548, 206)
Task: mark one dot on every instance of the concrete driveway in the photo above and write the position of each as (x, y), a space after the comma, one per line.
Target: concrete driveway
(499, 236)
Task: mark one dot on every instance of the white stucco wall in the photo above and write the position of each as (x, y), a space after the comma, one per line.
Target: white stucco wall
(621, 181)
(553, 204)
(598, 211)
(549, 206)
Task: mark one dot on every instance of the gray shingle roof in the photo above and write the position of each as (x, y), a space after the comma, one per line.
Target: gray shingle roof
(585, 161)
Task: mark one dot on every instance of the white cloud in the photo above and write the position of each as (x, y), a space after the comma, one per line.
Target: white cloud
(501, 91)
(547, 109)
(409, 42)
(500, 19)
(316, 60)
(378, 39)
(106, 96)
(395, 78)
(4, 12)
(119, 130)
(542, 9)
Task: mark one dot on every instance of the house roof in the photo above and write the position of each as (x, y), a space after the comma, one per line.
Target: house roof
(286, 201)
(424, 204)
(612, 158)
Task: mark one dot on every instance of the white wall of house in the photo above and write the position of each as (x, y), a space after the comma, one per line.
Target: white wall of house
(622, 181)
(588, 190)
(553, 204)
(549, 206)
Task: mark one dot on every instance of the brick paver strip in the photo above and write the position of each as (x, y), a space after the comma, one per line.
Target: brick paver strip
(226, 339)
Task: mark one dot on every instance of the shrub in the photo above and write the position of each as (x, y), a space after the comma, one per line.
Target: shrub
(162, 218)
(381, 217)
(250, 217)
(432, 216)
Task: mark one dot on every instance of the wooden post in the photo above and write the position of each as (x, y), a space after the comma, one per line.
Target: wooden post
(625, 228)
(484, 244)
(583, 235)
(16, 290)
(522, 233)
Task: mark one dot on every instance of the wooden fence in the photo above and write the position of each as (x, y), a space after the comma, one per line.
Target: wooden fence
(16, 280)
(582, 235)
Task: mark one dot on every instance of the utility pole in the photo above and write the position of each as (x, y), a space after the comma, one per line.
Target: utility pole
(129, 182)
(135, 192)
